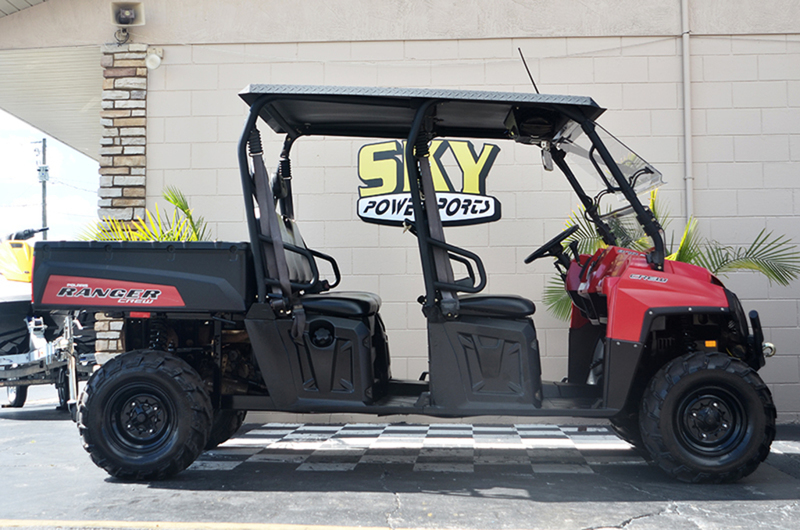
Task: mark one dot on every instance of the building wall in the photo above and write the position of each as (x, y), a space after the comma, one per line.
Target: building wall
(745, 73)
(746, 96)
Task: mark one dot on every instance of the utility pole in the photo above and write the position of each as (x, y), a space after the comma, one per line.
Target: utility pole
(44, 176)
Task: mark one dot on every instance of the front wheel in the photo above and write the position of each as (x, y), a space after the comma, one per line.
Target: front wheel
(707, 418)
(16, 396)
(145, 415)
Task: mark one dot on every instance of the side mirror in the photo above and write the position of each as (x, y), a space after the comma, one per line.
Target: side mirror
(547, 156)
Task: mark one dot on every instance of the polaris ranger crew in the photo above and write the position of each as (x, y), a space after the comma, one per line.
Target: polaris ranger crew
(662, 349)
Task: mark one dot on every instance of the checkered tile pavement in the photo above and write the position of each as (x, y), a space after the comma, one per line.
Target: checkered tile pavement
(453, 448)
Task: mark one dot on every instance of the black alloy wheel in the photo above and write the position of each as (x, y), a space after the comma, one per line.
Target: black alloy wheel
(707, 417)
(145, 415)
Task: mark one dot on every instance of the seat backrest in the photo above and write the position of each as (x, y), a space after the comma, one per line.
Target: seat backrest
(443, 268)
(300, 270)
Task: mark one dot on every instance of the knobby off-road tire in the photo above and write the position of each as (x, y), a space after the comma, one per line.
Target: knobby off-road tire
(16, 396)
(144, 415)
(225, 425)
(707, 418)
(626, 426)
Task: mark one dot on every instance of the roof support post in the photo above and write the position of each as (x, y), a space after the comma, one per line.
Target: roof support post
(420, 220)
(248, 191)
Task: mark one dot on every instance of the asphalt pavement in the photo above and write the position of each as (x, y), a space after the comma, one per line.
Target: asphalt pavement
(279, 476)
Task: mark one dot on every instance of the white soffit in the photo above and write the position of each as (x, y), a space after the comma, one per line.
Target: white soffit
(8, 7)
(56, 90)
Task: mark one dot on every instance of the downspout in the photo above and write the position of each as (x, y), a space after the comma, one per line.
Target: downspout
(688, 177)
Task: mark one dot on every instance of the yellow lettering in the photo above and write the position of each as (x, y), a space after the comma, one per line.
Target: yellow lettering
(475, 168)
(380, 169)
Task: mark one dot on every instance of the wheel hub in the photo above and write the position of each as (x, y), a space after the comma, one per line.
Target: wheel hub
(708, 420)
(143, 417)
(711, 421)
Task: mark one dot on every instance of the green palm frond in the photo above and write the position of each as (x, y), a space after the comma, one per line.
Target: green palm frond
(660, 210)
(586, 236)
(198, 227)
(157, 226)
(556, 299)
(773, 256)
(108, 230)
(690, 248)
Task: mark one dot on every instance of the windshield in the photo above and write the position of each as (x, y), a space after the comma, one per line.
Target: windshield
(611, 211)
(585, 161)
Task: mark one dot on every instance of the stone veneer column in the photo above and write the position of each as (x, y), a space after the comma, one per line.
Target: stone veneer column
(122, 157)
(122, 151)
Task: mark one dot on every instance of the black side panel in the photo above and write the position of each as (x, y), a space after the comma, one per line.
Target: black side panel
(484, 362)
(622, 360)
(582, 342)
(332, 362)
(272, 357)
(333, 359)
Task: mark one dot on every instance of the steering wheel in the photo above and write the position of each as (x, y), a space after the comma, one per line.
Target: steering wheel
(552, 247)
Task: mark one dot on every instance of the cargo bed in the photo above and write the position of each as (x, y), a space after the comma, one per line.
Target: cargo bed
(140, 276)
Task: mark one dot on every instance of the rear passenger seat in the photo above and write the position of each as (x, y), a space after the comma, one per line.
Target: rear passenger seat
(314, 299)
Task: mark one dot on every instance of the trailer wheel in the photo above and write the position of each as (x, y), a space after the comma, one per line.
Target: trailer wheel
(62, 388)
(144, 415)
(707, 418)
(225, 425)
(16, 396)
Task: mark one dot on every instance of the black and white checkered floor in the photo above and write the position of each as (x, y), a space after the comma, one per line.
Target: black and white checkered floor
(450, 448)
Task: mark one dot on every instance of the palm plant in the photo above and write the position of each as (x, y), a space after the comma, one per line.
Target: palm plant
(158, 226)
(773, 256)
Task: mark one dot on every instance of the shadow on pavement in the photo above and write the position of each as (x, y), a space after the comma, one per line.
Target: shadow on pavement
(35, 413)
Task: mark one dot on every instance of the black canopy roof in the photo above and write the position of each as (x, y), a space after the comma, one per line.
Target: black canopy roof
(377, 112)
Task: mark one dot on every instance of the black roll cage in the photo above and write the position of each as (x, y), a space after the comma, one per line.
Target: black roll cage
(422, 131)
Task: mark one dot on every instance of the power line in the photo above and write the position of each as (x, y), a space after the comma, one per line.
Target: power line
(71, 186)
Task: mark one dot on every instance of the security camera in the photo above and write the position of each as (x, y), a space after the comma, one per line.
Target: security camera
(127, 14)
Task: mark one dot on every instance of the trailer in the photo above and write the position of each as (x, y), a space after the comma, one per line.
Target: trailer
(38, 348)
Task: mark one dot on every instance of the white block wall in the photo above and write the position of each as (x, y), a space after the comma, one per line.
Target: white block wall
(746, 101)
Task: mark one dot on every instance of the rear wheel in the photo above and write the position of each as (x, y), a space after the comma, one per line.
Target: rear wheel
(225, 425)
(707, 418)
(16, 396)
(144, 415)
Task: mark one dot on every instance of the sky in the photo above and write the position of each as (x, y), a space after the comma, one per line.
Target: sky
(71, 190)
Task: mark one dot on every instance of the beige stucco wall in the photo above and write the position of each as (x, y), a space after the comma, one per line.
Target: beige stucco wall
(745, 70)
(82, 22)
